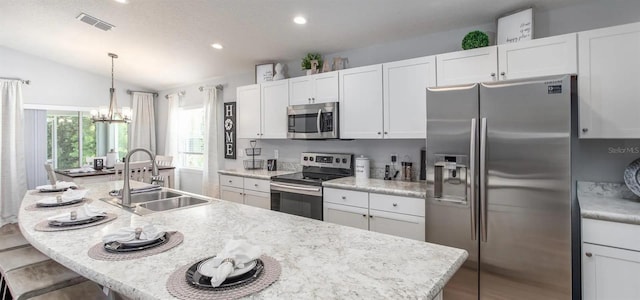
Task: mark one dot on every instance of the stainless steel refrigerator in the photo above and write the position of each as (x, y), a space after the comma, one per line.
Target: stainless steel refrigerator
(499, 177)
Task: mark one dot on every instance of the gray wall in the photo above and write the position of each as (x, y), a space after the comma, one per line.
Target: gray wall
(594, 160)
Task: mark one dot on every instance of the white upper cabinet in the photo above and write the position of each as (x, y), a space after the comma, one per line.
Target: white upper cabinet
(248, 111)
(275, 98)
(609, 63)
(405, 84)
(317, 88)
(540, 57)
(360, 107)
(468, 66)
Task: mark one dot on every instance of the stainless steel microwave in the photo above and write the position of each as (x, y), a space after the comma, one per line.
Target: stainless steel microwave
(313, 121)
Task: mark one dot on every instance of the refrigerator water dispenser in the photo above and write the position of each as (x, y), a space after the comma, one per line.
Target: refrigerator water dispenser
(450, 178)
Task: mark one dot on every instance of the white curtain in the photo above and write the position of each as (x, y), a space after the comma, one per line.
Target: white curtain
(35, 146)
(13, 182)
(210, 170)
(142, 130)
(171, 137)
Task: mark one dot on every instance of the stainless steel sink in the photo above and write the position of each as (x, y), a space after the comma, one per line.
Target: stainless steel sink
(158, 201)
(168, 204)
(152, 196)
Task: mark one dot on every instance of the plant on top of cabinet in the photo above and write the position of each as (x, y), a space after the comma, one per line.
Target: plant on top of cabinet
(475, 39)
(307, 63)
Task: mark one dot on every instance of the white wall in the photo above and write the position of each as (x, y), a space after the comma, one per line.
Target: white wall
(593, 158)
(57, 84)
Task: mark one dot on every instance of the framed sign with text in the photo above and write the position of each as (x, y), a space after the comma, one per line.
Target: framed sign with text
(515, 27)
(230, 130)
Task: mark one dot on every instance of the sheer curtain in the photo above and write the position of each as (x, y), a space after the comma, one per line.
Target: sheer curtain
(171, 138)
(142, 130)
(13, 182)
(210, 170)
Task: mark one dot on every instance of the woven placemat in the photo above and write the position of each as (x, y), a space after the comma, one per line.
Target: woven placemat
(98, 252)
(35, 207)
(178, 287)
(44, 224)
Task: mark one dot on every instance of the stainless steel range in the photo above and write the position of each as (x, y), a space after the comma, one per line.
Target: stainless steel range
(301, 193)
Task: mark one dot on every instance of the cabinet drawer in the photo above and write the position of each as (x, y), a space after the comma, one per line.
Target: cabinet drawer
(619, 235)
(257, 199)
(346, 197)
(257, 185)
(233, 181)
(232, 194)
(397, 204)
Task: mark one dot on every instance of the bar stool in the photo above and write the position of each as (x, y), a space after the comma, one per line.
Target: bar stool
(11, 238)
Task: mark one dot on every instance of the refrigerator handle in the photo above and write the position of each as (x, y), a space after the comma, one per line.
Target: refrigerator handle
(472, 176)
(483, 180)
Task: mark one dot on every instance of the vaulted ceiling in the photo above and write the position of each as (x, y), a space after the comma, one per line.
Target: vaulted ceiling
(164, 43)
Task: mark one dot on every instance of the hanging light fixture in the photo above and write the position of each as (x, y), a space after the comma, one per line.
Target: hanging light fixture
(112, 114)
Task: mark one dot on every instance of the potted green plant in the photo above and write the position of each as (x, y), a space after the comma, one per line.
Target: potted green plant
(475, 39)
(307, 63)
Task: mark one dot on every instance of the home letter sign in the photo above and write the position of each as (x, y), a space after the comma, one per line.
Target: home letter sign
(230, 130)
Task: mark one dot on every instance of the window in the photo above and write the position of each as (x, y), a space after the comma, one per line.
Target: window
(191, 138)
(72, 138)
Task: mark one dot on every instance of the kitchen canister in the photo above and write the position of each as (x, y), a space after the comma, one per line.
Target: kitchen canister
(112, 158)
(362, 167)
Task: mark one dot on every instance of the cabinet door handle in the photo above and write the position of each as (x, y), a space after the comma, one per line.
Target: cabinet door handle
(344, 198)
(386, 132)
(585, 129)
(493, 74)
(256, 185)
(379, 132)
(370, 217)
(588, 254)
(503, 73)
(364, 216)
(395, 204)
(230, 181)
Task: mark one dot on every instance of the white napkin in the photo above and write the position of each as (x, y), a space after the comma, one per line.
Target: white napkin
(68, 195)
(84, 212)
(81, 170)
(126, 234)
(59, 185)
(240, 251)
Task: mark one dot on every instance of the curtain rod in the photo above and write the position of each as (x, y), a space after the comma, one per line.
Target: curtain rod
(180, 93)
(218, 87)
(153, 93)
(25, 81)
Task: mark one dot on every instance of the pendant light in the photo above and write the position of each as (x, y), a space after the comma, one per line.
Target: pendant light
(112, 114)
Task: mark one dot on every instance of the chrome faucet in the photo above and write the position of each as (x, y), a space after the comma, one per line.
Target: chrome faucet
(126, 189)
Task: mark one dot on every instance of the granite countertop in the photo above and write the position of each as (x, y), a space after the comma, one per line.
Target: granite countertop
(319, 260)
(258, 174)
(608, 202)
(416, 189)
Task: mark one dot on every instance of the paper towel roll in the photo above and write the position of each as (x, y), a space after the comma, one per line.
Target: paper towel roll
(362, 167)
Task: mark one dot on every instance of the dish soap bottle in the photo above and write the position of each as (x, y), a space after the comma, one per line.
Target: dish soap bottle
(112, 158)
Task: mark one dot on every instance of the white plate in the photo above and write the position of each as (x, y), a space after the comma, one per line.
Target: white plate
(631, 176)
(142, 242)
(67, 219)
(54, 200)
(207, 268)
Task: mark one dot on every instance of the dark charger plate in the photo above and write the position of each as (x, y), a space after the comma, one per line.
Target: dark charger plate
(117, 247)
(59, 204)
(195, 279)
(57, 190)
(75, 223)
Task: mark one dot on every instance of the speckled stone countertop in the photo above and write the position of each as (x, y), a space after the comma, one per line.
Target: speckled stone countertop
(608, 202)
(416, 189)
(258, 174)
(319, 260)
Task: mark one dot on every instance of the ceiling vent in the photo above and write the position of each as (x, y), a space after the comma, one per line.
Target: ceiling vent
(95, 22)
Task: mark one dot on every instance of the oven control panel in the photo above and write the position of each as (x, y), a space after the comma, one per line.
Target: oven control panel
(330, 160)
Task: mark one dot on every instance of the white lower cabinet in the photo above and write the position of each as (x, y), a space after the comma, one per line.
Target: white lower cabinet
(394, 215)
(249, 191)
(610, 260)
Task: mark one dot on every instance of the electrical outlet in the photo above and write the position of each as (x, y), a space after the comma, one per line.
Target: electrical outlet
(275, 153)
(394, 157)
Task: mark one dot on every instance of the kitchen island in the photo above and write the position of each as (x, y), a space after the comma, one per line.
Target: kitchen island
(318, 259)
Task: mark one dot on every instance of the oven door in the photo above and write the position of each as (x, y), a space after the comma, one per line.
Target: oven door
(313, 121)
(297, 199)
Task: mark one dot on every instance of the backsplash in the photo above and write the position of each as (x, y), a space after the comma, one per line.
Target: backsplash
(605, 189)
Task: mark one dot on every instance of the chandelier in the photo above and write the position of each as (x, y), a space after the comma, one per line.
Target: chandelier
(111, 114)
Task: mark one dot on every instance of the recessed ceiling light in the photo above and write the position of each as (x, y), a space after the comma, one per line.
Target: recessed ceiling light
(216, 46)
(300, 20)
(123, 1)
